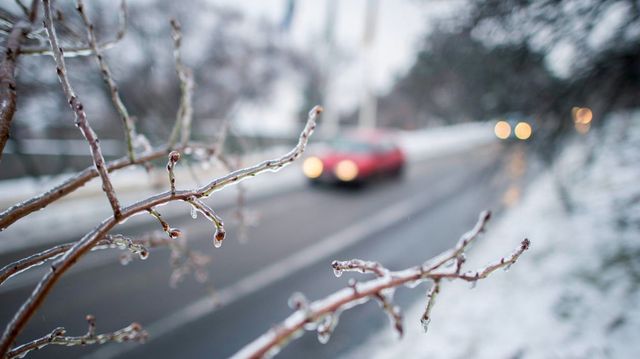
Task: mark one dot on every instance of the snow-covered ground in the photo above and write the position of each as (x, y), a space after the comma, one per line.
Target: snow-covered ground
(575, 294)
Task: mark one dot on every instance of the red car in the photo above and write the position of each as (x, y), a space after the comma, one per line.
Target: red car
(356, 158)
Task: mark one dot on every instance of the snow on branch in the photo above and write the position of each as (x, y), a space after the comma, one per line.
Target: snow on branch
(132, 333)
(323, 315)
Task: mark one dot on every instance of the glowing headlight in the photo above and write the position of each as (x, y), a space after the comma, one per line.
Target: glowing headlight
(346, 170)
(312, 167)
(502, 130)
(523, 130)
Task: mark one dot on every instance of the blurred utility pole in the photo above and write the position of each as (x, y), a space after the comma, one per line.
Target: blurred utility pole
(329, 117)
(368, 104)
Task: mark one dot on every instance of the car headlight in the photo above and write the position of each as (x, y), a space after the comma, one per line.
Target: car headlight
(346, 170)
(502, 130)
(523, 131)
(312, 167)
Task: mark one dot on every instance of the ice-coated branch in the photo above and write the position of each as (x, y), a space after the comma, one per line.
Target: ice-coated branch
(357, 265)
(134, 246)
(12, 50)
(89, 240)
(393, 311)
(174, 157)
(200, 206)
(20, 265)
(457, 253)
(85, 50)
(22, 209)
(431, 300)
(172, 232)
(184, 116)
(129, 128)
(132, 333)
(80, 116)
(316, 315)
(270, 165)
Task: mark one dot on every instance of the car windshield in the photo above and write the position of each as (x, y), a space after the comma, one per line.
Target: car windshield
(351, 146)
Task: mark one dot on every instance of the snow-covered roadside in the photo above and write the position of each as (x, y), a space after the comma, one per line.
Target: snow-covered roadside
(575, 294)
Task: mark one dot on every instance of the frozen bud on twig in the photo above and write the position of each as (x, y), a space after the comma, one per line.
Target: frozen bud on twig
(219, 237)
(174, 156)
(174, 233)
(200, 206)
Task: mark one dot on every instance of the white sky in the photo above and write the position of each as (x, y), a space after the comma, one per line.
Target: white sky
(400, 26)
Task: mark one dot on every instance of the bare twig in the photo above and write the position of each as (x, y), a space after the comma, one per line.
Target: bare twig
(129, 128)
(316, 315)
(61, 265)
(133, 332)
(78, 109)
(184, 116)
(22, 7)
(84, 50)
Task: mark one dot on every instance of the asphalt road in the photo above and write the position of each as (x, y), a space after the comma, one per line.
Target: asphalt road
(396, 222)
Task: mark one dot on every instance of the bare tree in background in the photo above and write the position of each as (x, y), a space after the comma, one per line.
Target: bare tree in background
(25, 37)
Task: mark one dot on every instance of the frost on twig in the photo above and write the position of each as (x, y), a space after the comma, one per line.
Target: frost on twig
(132, 333)
(78, 109)
(322, 315)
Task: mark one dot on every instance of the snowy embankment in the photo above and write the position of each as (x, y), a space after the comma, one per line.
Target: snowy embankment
(575, 294)
(76, 213)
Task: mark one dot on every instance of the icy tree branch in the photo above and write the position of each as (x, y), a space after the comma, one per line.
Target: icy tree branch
(20, 210)
(81, 117)
(129, 129)
(322, 315)
(84, 50)
(139, 247)
(184, 116)
(88, 241)
(174, 157)
(133, 332)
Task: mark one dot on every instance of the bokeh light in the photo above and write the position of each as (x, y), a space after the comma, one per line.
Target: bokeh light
(523, 131)
(502, 130)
